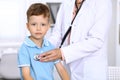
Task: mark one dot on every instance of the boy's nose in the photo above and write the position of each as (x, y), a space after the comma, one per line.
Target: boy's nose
(38, 27)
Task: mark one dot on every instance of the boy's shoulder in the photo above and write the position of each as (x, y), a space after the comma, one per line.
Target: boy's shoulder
(48, 43)
(22, 47)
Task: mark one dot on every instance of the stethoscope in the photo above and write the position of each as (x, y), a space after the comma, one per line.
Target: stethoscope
(36, 56)
(69, 29)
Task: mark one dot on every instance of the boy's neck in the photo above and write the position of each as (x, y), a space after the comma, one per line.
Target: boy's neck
(37, 42)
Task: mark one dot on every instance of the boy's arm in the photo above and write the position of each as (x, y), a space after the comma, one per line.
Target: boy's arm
(62, 71)
(26, 73)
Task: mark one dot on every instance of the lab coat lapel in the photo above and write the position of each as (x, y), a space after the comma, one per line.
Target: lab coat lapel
(70, 5)
(69, 11)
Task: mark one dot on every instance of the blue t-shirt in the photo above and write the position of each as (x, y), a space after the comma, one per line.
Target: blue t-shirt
(38, 70)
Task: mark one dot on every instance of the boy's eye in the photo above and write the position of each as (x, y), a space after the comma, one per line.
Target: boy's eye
(43, 25)
(33, 24)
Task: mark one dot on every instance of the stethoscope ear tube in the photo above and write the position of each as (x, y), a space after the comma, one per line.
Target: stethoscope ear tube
(69, 29)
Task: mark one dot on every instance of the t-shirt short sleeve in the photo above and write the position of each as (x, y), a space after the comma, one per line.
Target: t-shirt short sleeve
(23, 57)
(57, 61)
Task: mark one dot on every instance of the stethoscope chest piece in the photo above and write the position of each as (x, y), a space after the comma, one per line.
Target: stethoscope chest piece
(36, 57)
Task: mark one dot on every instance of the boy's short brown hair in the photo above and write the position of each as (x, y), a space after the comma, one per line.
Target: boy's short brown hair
(38, 9)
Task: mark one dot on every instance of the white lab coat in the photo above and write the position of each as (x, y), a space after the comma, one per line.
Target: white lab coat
(86, 54)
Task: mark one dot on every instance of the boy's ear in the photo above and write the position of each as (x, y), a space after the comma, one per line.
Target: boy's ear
(49, 26)
(27, 25)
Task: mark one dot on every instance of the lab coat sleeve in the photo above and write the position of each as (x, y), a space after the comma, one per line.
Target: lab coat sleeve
(95, 37)
(56, 38)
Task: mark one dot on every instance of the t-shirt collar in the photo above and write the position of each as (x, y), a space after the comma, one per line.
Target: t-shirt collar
(30, 43)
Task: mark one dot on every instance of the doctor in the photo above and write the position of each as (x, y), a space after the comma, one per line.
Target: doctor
(84, 49)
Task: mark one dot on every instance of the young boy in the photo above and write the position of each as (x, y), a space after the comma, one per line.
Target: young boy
(38, 16)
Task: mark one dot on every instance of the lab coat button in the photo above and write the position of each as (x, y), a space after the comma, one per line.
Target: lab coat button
(75, 25)
(86, 38)
(72, 42)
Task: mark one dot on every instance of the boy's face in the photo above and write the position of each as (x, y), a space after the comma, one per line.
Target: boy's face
(38, 26)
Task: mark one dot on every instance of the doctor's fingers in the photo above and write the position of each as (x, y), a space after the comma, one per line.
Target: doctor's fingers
(50, 55)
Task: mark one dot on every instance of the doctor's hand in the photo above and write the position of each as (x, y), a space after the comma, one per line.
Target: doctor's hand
(51, 55)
